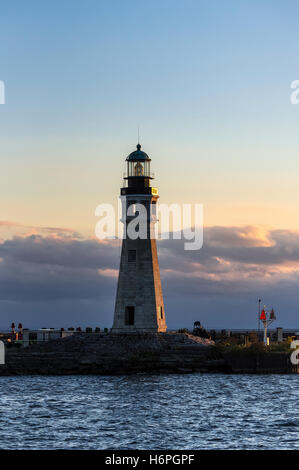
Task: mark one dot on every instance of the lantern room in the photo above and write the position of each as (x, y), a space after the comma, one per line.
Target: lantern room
(138, 164)
(138, 176)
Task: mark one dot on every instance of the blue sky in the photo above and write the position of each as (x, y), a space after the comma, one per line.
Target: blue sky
(208, 82)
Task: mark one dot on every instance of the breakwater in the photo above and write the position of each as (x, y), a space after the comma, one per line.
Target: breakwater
(108, 354)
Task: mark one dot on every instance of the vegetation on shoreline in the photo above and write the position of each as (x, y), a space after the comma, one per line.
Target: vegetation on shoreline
(252, 348)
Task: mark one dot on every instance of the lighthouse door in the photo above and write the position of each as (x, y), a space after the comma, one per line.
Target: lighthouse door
(130, 315)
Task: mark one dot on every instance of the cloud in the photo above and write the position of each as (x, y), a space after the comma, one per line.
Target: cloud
(60, 251)
(248, 236)
(8, 223)
(236, 265)
(43, 268)
(244, 251)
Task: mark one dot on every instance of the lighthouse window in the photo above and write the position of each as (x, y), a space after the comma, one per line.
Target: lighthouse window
(161, 313)
(131, 256)
(138, 169)
(130, 315)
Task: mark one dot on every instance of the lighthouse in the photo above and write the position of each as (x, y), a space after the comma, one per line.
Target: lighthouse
(139, 305)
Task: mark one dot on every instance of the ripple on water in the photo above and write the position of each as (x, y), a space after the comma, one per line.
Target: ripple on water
(192, 411)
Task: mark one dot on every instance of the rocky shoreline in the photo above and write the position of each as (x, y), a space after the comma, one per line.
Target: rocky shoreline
(108, 354)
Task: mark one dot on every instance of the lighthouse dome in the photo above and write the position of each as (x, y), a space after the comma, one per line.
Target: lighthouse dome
(138, 155)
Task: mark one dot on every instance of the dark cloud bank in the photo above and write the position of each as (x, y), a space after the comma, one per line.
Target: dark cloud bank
(59, 279)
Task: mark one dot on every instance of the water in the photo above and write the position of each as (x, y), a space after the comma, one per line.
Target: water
(191, 411)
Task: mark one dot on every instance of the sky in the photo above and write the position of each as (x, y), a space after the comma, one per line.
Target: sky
(208, 84)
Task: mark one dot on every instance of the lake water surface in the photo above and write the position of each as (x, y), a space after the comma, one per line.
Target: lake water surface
(193, 411)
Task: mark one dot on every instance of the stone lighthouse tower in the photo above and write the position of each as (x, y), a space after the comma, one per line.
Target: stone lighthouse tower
(139, 305)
